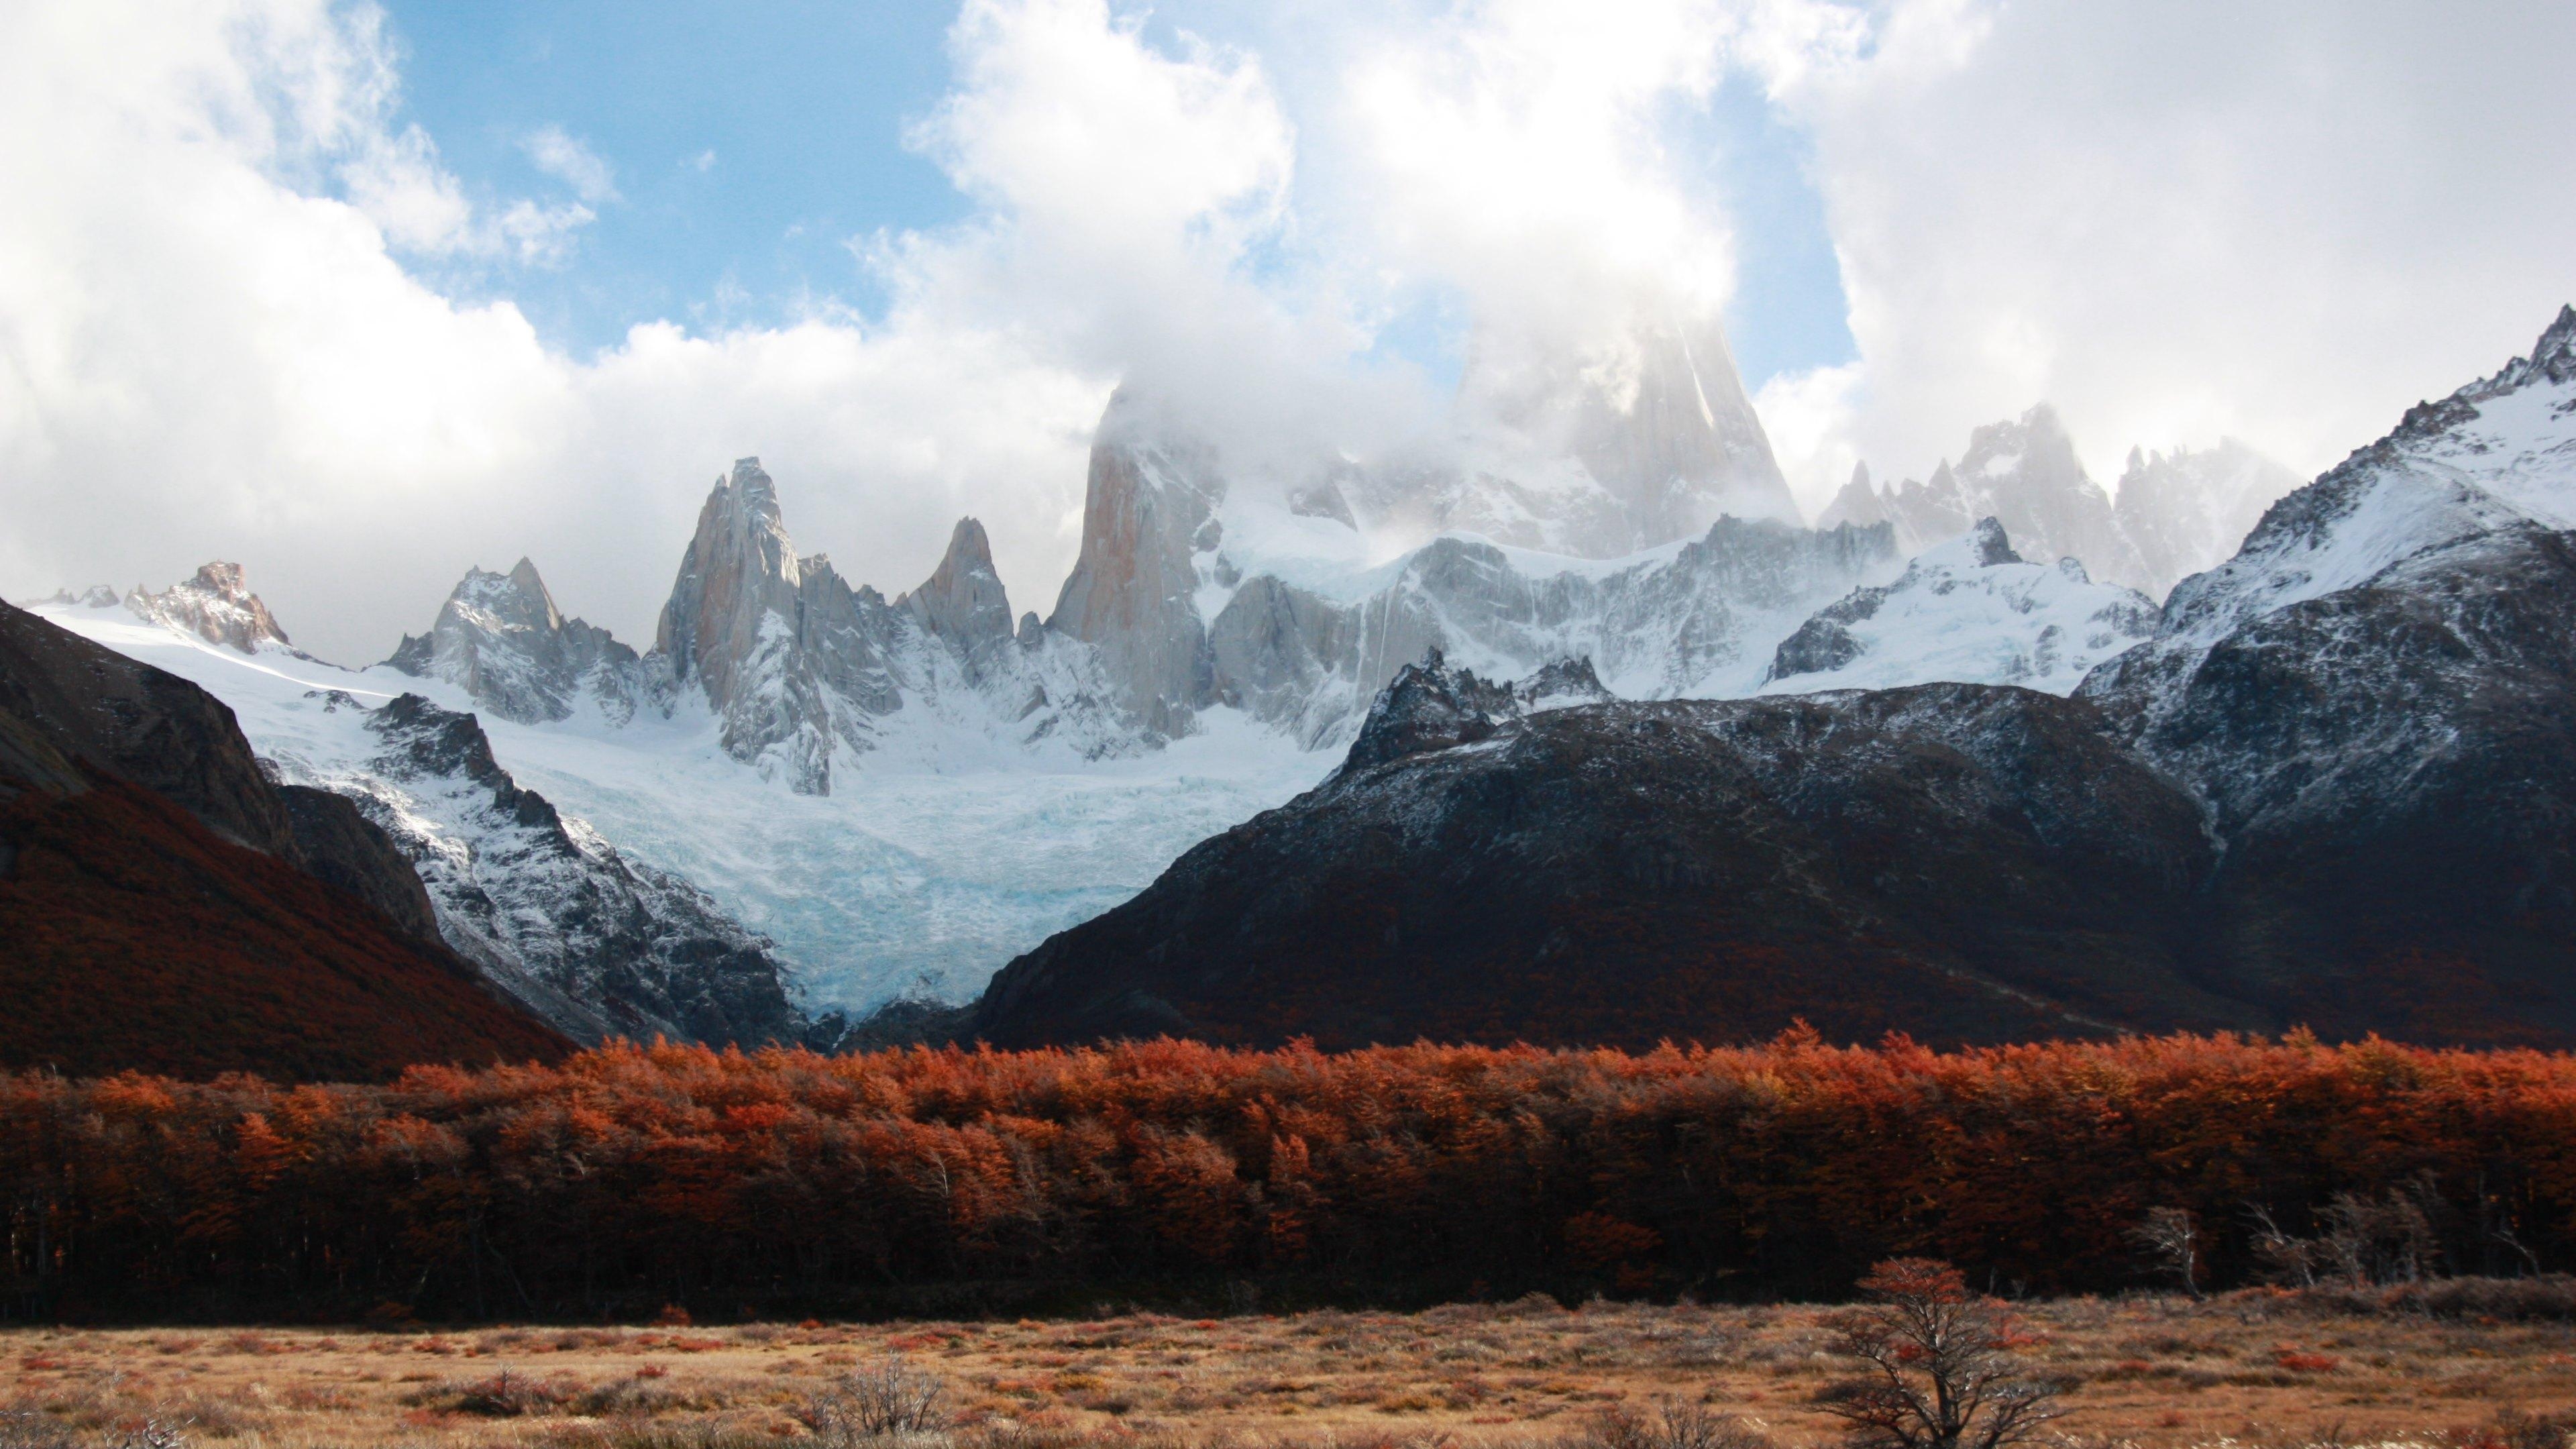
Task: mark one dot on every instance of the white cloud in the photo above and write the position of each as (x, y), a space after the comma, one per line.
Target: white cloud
(570, 160)
(213, 348)
(2283, 221)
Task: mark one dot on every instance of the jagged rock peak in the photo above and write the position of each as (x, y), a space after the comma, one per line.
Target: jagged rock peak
(739, 564)
(963, 599)
(1434, 706)
(501, 639)
(1149, 508)
(1988, 545)
(1858, 503)
(96, 596)
(2552, 360)
(1427, 706)
(216, 605)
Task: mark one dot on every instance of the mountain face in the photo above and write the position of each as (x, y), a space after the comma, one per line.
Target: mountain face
(800, 669)
(500, 638)
(2373, 697)
(216, 606)
(2337, 786)
(1149, 513)
(1964, 862)
(2187, 511)
(1969, 609)
(2175, 515)
(2023, 474)
(595, 943)
(1597, 452)
(1697, 619)
(168, 910)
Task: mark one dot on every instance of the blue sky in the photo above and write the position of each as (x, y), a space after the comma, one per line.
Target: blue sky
(750, 143)
(251, 310)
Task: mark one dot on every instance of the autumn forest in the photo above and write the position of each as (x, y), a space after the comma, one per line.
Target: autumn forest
(630, 1181)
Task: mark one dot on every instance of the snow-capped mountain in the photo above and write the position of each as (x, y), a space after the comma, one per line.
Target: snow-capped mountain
(216, 606)
(2334, 788)
(2175, 515)
(595, 943)
(2022, 473)
(500, 638)
(558, 919)
(2186, 511)
(800, 669)
(1199, 591)
(2464, 493)
(905, 793)
(1970, 609)
(1642, 439)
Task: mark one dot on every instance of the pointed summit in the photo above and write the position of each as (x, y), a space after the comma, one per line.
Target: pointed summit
(732, 625)
(2553, 357)
(1857, 504)
(500, 638)
(963, 601)
(216, 606)
(530, 594)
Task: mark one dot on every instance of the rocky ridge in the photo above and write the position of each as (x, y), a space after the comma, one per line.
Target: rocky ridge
(596, 943)
(169, 908)
(216, 606)
(2176, 513)
(1969, 609)
(500, 638)
(2337, 787)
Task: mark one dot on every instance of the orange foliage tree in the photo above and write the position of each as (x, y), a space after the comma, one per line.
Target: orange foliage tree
(632, 1176)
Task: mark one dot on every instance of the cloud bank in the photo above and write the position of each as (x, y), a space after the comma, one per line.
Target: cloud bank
(246, 311)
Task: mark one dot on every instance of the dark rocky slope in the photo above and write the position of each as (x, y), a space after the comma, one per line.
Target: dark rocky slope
(165, 908)
(2336, 788)
(1967, 863)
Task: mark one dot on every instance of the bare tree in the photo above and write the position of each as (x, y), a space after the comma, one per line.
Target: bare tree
(886, 1397)
(2363, 1242)
(2170, 1237)
(1673, 1425)
(1942, 1374)
(2285, 1259)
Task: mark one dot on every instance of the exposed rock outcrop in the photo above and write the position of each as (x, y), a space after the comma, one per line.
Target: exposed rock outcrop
(591, 940)
(2337, 787)
(1149, 511)
(2374, 697)
(217, 606)
(1963, 862)
(500, 638)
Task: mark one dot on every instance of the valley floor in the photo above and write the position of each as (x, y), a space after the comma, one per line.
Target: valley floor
(2257, 1368)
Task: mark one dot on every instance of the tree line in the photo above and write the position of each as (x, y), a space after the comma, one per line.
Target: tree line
(632, 1177)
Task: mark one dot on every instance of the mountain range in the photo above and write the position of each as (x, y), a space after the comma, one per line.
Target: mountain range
(2335, 786)
(1937, 759)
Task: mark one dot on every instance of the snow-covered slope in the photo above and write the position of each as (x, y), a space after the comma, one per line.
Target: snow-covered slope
(921, 873)
(559, 918)
(1972, 611)
(2498, 455)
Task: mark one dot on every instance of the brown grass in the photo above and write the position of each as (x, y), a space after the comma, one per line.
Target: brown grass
(2258, 1369)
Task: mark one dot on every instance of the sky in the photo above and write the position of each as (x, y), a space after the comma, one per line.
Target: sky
(360, 295)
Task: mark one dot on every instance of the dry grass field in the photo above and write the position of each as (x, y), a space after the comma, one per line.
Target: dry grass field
(2247, 1369)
